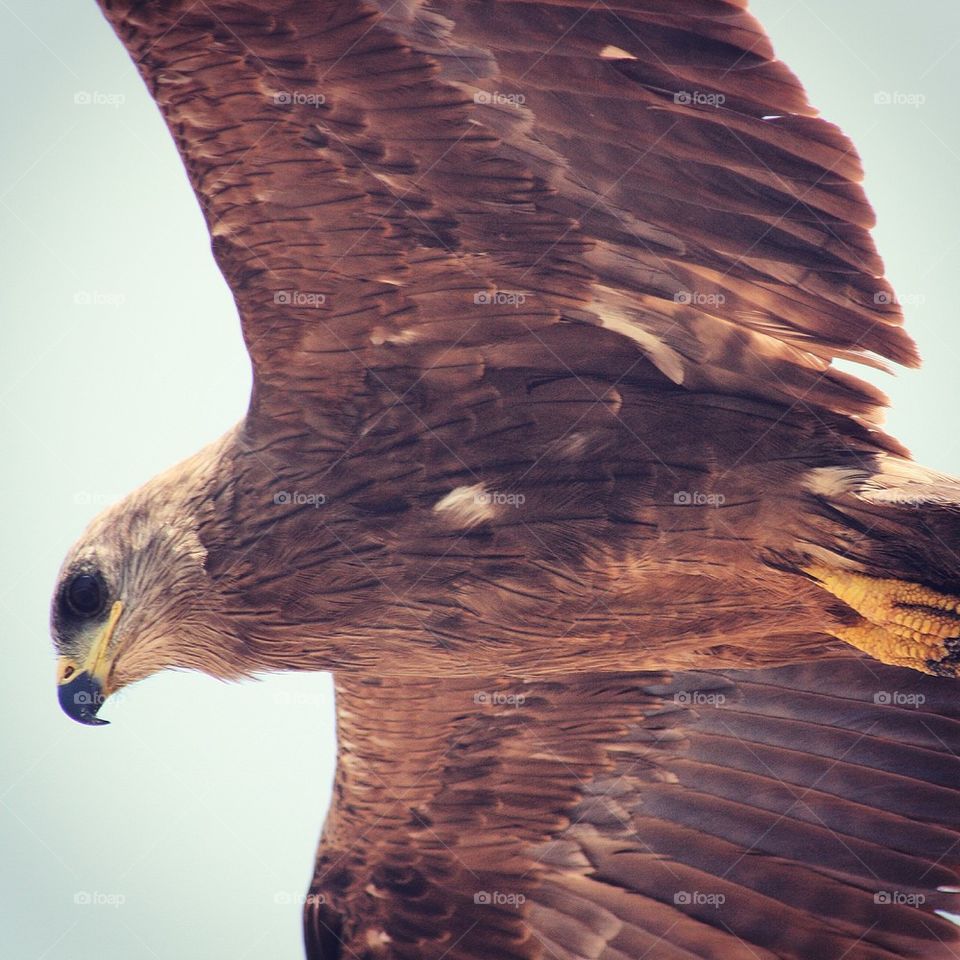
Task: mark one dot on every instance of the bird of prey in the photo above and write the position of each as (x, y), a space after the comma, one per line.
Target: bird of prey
(644, 633)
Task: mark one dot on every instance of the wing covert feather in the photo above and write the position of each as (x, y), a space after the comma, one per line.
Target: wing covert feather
(386, 184)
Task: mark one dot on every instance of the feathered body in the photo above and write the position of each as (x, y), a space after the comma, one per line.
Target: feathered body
(546, 448)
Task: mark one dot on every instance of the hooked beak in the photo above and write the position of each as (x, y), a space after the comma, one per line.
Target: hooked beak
(80, 687)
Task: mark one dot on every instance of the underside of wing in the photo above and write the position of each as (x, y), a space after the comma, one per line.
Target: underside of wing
(406, 185)
(799, 812)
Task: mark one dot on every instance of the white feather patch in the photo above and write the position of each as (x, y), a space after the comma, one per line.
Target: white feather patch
(610, 52)
(467, 506)
(834, 481)
(664, 358)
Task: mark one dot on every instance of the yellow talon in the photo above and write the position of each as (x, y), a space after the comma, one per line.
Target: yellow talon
(901, 623)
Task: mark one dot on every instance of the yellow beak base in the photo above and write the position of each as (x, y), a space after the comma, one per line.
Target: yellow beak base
(81, 689)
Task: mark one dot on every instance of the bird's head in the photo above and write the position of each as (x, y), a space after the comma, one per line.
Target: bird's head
(133, 596)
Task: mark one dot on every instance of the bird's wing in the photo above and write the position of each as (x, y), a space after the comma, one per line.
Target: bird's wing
(401, 185)
(802, 812)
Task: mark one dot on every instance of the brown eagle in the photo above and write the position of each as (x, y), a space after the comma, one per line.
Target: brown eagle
(627, 597)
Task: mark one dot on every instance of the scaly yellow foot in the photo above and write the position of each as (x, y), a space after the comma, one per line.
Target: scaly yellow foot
(902, 623)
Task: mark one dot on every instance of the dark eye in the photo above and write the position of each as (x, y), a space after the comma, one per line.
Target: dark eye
(84, 595)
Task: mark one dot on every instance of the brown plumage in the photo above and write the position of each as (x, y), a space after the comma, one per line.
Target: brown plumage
(546, 459)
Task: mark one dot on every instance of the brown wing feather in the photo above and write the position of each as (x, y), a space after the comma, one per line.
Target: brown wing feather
(427, 203)
(384, 184)
(790, 813)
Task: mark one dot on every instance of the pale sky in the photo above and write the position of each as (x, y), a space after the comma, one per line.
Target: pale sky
(186, 829)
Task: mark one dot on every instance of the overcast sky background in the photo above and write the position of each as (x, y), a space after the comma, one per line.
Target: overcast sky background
(186, 829)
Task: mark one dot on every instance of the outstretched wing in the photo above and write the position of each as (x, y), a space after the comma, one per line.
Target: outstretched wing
(802, 812)
(402, 185)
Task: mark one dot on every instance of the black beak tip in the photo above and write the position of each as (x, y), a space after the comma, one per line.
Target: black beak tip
(81, 698)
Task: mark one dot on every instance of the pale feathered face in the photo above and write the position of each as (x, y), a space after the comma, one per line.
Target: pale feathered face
(133, 597)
